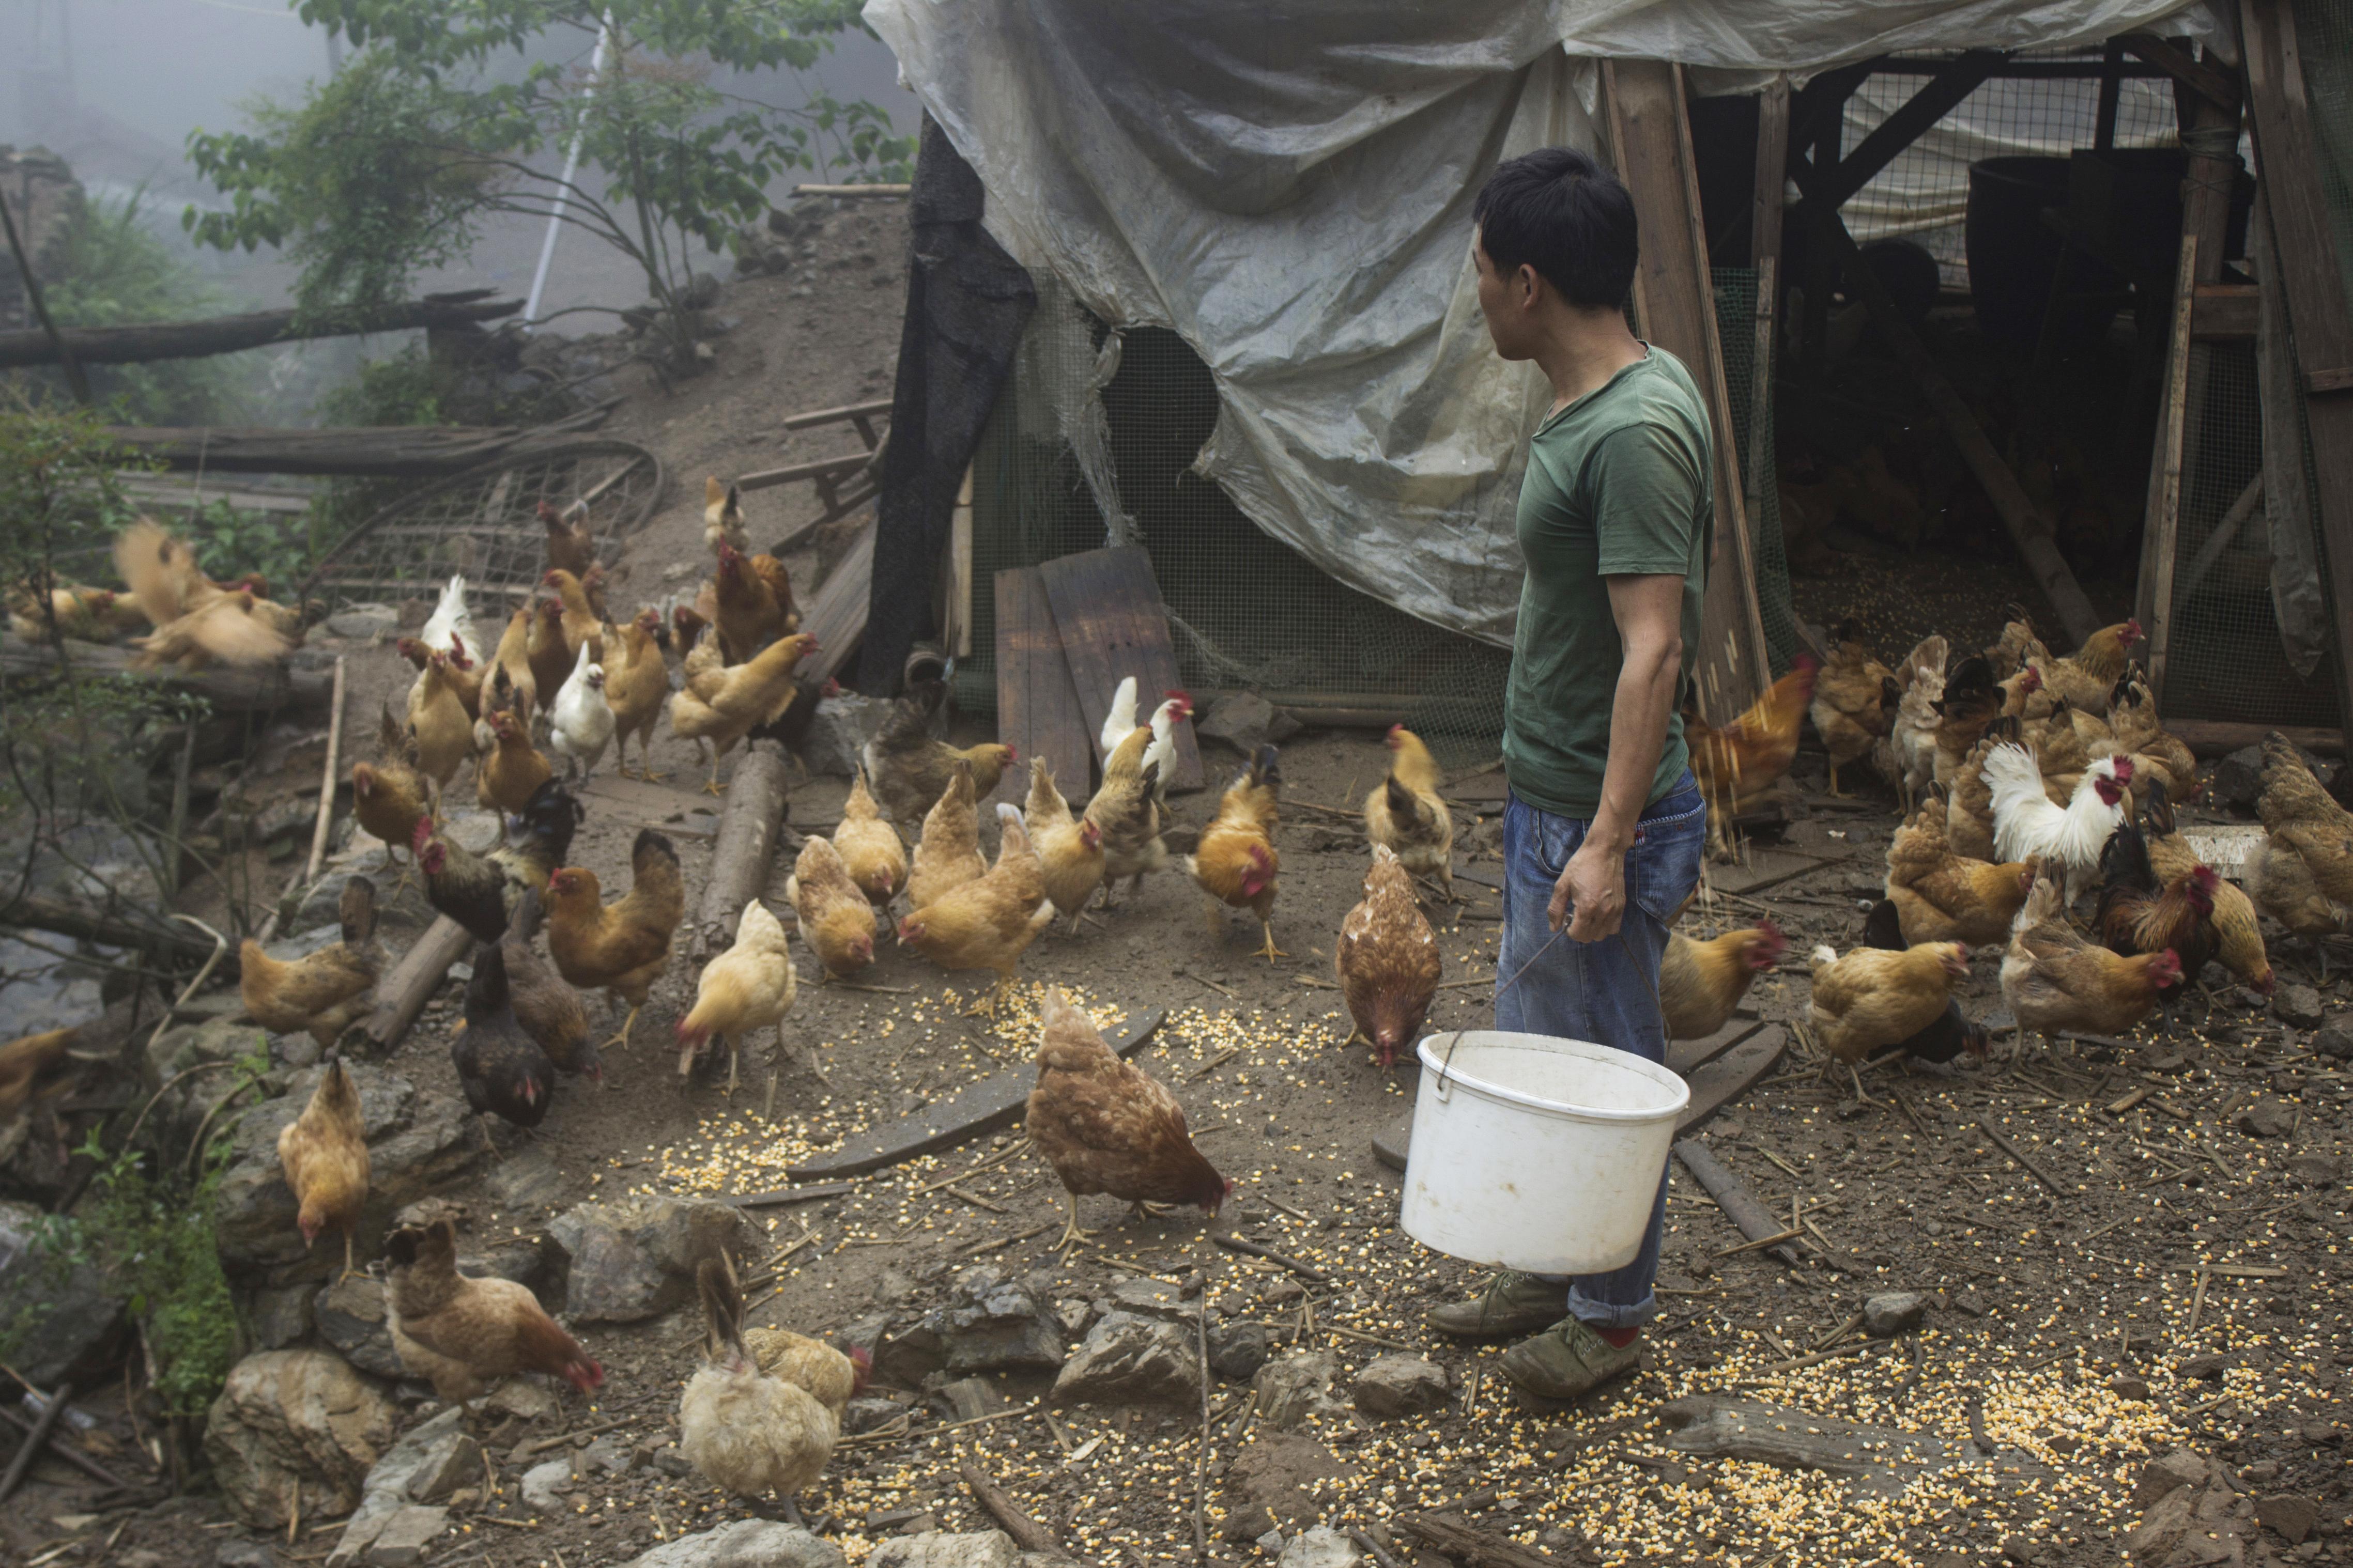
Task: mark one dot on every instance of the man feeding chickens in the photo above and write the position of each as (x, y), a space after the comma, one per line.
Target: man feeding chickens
(1605, 828)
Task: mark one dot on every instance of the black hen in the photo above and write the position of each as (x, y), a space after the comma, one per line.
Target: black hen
(791, 727)
(501, 1067)
(1944, 1038)
(478, 891)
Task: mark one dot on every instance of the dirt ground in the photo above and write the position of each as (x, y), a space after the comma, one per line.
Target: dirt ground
(2157, 1276)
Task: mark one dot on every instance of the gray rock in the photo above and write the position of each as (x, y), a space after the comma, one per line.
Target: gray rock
(2316, 1170)
(1245, 721)
(1297, 1387)
(2334, 1039)
(351, 1317)
(244, 1553)
(1398, 1385)
(2299, 1006)
(44, 994)
(2187, 1501)
(402, 1542)
(702, 290)
(295, 1052)
(627, 1261)
(1128, 1360)
(295, 1431)
(610, 1455)
(420, 1141)
(1237, 1348)
(2205, 1367)
(279, 1316)
(1281, 1480)
(524, 1400)
(55, 1307)
(867, 1412)
(2236, 780)
(544, 1484)
(1878, 1460)
(2267, 1119)
(746, 1543)
(1891, 1312)
(971, 1398)
(838, 731)
(933, 1549)
(993, 1324)
(1149, 1299)
(454, 1460)
(365, 622)
(527, 1178)
(2125, 1386)
(2287, 1516)
(385, 1493)
(1321, 1547)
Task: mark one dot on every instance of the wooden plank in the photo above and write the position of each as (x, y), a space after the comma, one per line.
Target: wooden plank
(783, 1196)
(2203, 79)
(2029, 529)
(2225, 312)
(152, 341)
(2221, 737)
(750, 821)
(1687, 1056)
(404, 451)
(994, 1103)
(401, 995)
(1108, 612)
(1772, 173)
(1038, 710)
(2163, 519)
(816, 467)
(1740, 1206)
(836, 614)
(2305, 254)
(1732, 1075)
(881, 405)
(1674, 304)
(2334, 378)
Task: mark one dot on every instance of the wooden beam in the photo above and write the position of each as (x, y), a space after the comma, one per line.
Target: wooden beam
(836, 614)
(2220, 738)
(816, 468)
(2333, 379)
(1037, 709)
(2225, 312)
(230, 688)
(2305, 254)
(1675, 303)
(2187, 70)
(2112, 82)
(880, 408)
(2029, 529)
(1772, 171)
(750, 824)
(1888, 139)
(154, 341)
(405, 451)
(2163, 523)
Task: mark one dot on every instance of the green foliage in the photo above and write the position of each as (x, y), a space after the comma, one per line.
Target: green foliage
(119, 272)
(61, 498)
(151, 1231)
(432, 126)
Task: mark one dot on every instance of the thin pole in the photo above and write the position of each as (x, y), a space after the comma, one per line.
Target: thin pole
(571, 168)
(72, 367)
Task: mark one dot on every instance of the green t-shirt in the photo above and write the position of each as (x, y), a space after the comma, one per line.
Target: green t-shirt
(1619, 482)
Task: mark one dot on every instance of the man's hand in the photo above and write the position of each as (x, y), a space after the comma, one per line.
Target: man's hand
(1593, 885)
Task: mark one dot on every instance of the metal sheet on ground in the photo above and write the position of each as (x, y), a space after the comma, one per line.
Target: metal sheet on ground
(1107, 608)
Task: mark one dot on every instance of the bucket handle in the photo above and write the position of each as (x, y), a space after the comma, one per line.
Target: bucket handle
(1445, 1083)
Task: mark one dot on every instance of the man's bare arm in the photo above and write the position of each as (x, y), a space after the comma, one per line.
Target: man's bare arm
(1592, 893)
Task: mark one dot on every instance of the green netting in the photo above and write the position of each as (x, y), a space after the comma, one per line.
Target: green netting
(1245, 610)
(1736, 323)
(2324, 35)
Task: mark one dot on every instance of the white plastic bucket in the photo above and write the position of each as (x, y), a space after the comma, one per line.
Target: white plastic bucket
(1535, 1152)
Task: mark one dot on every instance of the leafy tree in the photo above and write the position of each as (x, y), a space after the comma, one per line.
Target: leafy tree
(440, 119)
(119, 272)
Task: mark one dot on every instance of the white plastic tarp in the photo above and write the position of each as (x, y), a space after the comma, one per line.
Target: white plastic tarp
(1289, 189)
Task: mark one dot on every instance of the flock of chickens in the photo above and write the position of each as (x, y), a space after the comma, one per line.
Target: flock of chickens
(2028, 782)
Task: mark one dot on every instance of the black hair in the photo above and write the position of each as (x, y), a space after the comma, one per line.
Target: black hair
(1559, 211)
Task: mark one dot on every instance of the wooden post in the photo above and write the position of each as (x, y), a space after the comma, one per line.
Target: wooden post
(2163, 527)
(1772, 173)
(749, 827)
(2305, 258)
(1764, 256)
(1674, 302)
(402, 995)
(2112, 82)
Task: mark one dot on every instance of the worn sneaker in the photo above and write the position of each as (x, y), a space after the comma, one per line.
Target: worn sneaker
(1513, 1304)
(1566, 1361)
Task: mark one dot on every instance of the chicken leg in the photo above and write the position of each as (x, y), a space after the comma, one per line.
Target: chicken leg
(1270, 952)
(349, 1268)
(628, 1024)
(1072, 1233)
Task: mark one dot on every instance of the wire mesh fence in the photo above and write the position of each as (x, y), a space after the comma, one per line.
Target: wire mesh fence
(484, 523)
(1079, 454)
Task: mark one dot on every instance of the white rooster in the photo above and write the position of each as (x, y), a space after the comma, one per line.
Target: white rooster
(1121, 719)
(1163, 749)
(451, 623)
(580, 725)
(2026, 822)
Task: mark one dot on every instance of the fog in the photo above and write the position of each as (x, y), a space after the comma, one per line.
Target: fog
(117, 85)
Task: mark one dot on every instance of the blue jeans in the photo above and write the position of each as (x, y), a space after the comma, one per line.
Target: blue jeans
(1606, 991)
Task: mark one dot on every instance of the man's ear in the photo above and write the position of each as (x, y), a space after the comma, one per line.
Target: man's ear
(1526, 284)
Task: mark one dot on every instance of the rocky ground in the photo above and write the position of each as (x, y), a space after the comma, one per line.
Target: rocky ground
(2085, 1304)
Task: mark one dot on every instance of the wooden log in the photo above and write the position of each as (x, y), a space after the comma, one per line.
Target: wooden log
(230, 689)
(1450, 1537)
(405, 451)
(749, 824)
(2029, 529)
(401, 995)
(874, 190)
(35, 1440)
(154, 341)
(1740, 1205)
(2163, 523)
(1026, 1533)
(111, 928)
(2288, 152)
(2221, 737)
